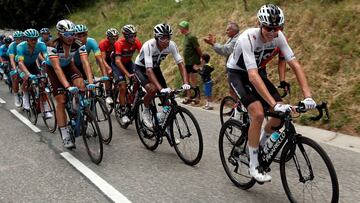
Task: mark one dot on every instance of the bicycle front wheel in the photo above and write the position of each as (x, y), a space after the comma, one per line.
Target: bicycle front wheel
(92, 137)
(227, 111)
(48, 110)
(232, 149)
(103, 119)
(307, 173)
(32, 113)
(186, 136)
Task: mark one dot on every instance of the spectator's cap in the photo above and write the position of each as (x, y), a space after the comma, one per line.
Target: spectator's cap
(184, 24)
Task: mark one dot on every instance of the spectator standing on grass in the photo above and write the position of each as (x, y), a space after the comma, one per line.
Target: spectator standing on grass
(205, 70)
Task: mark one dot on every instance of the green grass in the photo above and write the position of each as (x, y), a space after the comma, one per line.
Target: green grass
(324, 34)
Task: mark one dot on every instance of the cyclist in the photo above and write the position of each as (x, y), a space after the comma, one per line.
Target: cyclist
(255, 91)
(123, 66)
(27, 52)
(147, 66)
(107, 46)
(45, 36)
(81, 33)
(63, 74)
(2, 36)
(12, 52)
(4, 57)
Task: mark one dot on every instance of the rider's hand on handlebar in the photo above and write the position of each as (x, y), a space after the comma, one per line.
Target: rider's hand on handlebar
(131, 75)
(186, 86)
(309, 103)
(32, 76)
(282, 107)
(90, 86)
(165, 90)
(104, 78)
(72, 90)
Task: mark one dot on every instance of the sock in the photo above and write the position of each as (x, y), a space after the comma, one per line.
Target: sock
(254, 162)
(64, 132)
(263, 137)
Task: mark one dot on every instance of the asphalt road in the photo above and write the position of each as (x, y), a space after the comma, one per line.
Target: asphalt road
(32, 169)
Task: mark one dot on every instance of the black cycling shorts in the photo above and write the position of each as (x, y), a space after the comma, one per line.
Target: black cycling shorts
(140, 74)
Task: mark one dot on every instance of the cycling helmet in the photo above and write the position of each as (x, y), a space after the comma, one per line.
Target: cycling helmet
(31, 33)
(128, 30)
(8, 39)
(65, 26)
(112, 32)
(161, 30)
(18, 34)
(80, 28)
(271, 15)
(2, 36)
(44, 30)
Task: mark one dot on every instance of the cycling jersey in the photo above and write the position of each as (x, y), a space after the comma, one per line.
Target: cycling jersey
(23, 52)
(12, 51)
(106, 47)
(251, 52)
(58, 52)
(91, 45)
(150, 56)
(40, 39)
(3, 52)
(126, 50)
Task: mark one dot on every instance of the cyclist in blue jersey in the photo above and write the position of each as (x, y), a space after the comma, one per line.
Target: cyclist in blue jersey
(27, 53)
(45, 36)
(12, 52)
(4, 57)
(63, 73)
(2, 36)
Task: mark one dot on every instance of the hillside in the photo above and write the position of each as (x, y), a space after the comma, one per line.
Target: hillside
(324, 35)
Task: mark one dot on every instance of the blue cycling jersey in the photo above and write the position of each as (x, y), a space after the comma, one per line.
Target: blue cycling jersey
(3, 52)
(58, 52)
(91, 45)
(12, 50)
(23, 52)
(40, 39)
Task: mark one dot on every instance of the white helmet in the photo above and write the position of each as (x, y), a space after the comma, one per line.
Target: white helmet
(65, 26)
(112, 32)
(128, 30)
(271, 15)
(161, 30)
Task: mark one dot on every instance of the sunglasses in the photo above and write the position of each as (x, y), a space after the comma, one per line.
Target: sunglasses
(164, 39)
(113, 38)
(130, 36)
(68, 34)
(272, 29)
(81, 35)
(32, 39)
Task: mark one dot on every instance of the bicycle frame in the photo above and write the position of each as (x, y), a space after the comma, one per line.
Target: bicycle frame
(75, 120)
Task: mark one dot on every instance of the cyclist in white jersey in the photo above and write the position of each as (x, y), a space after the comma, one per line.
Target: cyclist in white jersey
(147, 66)
(254, 89)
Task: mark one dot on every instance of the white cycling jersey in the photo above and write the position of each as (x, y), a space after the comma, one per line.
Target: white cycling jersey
(250, 50)
(150, 56)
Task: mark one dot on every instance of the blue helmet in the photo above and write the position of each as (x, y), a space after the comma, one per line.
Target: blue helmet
(44, 30)
(31, 33)
(18, 34)
(80, 28)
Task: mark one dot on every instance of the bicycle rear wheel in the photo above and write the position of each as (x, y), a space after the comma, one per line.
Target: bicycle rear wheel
(103, 119)
(92, 137)
(185, 128)
(48, 110)
(307, 173)
(227, 111)
(147, 136)
(232, 150)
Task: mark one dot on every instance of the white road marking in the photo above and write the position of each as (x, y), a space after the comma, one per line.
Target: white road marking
(104, 186)
(25, 120)
(2, 101)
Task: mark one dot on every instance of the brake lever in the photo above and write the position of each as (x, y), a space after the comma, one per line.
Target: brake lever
(320, 108)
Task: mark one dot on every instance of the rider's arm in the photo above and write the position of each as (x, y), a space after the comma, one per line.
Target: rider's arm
(183, 72)
(22, 66)
(179, 61)
(85, 62)
(12, 61)
(282, 69)
(301, 78)
(103, 55)
(97, 53)
(100, 62)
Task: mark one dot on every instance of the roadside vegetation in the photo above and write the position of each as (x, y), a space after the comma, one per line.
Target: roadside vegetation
(324, 34)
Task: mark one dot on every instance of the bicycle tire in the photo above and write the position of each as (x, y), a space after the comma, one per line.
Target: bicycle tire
(305, 154)
(225, 113)
(105, 118)
(147, 137)
(32, 113)
(189, 160)
(95, 136)
(237, 156)
(50, 125)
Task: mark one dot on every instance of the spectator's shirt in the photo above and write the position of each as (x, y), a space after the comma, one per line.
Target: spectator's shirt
(190, 43)
(227, 48)
(205, 72)
(150, 56)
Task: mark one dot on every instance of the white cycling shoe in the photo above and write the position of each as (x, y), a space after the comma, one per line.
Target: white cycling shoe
(259, 175)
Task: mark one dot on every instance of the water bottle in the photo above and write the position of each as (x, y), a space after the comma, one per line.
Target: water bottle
(271, 141)
(162, 115)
